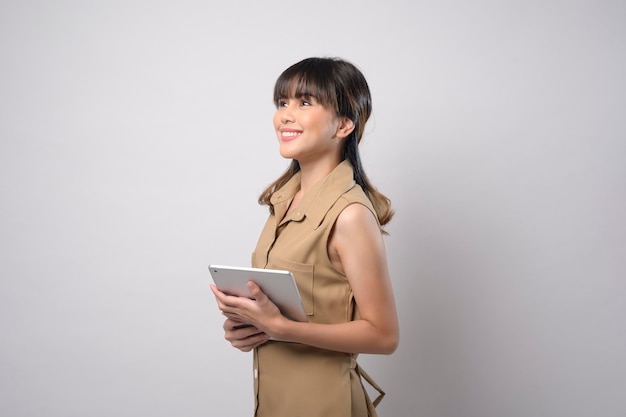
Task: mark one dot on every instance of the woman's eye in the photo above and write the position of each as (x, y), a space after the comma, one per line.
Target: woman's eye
(305, 103)
(282, 103)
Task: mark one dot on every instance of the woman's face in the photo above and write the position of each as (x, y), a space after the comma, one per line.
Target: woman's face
(306, 130)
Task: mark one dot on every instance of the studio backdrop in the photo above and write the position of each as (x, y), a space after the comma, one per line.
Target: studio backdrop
(136, 136)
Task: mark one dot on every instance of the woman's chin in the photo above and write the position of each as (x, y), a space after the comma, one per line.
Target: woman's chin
(287, 154)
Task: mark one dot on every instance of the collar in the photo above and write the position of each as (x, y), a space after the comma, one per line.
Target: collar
(318, 200)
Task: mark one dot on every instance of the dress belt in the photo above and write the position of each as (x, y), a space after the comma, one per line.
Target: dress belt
(354, 365)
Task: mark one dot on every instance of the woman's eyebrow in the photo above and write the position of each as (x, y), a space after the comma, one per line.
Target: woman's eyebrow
(306, 95)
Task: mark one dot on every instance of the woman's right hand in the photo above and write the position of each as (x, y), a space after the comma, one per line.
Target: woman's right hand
(242, 336)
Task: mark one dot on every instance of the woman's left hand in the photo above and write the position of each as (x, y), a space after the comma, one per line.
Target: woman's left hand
(260, 312)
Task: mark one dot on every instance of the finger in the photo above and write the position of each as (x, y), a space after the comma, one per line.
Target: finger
(234, 316)
(241, 333)
(229, 301)
(214, 289)
(249, 343)
(230, 324)
(262, 340)
(256, 292)
(220, 297)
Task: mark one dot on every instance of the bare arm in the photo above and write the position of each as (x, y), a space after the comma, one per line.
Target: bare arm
(356, 247)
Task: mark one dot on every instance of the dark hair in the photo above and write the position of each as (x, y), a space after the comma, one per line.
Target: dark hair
(339, 85)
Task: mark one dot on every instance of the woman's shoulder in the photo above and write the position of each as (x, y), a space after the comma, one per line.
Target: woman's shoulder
(357, 219)
(355, 196)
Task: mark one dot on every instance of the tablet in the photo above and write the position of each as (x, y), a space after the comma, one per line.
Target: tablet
(280, 286)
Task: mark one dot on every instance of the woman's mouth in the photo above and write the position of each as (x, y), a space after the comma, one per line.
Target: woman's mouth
(287, 135)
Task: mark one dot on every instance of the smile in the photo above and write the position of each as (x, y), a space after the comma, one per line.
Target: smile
(289, 134)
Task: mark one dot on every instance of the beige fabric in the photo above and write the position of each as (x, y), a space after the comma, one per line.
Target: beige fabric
(292, 379)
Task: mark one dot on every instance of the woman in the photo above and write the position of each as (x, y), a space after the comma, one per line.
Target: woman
(325, 226)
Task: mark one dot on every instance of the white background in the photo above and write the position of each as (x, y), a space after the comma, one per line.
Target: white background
(136, 137)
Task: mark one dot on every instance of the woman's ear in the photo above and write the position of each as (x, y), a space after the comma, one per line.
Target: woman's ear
(344, 128)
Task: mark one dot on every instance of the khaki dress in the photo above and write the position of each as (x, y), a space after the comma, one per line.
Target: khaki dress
(292, 379)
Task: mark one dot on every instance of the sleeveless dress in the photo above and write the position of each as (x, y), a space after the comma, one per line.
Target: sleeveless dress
(292, 379)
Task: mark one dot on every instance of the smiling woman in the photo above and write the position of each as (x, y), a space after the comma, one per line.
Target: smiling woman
(325, 226)
(307, 130)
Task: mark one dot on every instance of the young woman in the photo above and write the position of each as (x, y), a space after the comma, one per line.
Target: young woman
(325, 226)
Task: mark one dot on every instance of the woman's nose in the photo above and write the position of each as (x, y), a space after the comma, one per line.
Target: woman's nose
(286, 115)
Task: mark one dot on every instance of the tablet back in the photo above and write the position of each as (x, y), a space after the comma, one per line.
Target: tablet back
(279, 286)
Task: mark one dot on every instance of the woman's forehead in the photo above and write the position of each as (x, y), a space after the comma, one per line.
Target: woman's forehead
(299, 86)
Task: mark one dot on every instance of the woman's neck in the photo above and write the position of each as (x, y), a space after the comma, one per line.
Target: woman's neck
(312, 173)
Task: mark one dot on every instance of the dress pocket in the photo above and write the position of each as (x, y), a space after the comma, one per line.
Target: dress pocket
(305, 279)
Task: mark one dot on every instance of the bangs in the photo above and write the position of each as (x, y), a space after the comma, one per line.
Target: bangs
(307, 80)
